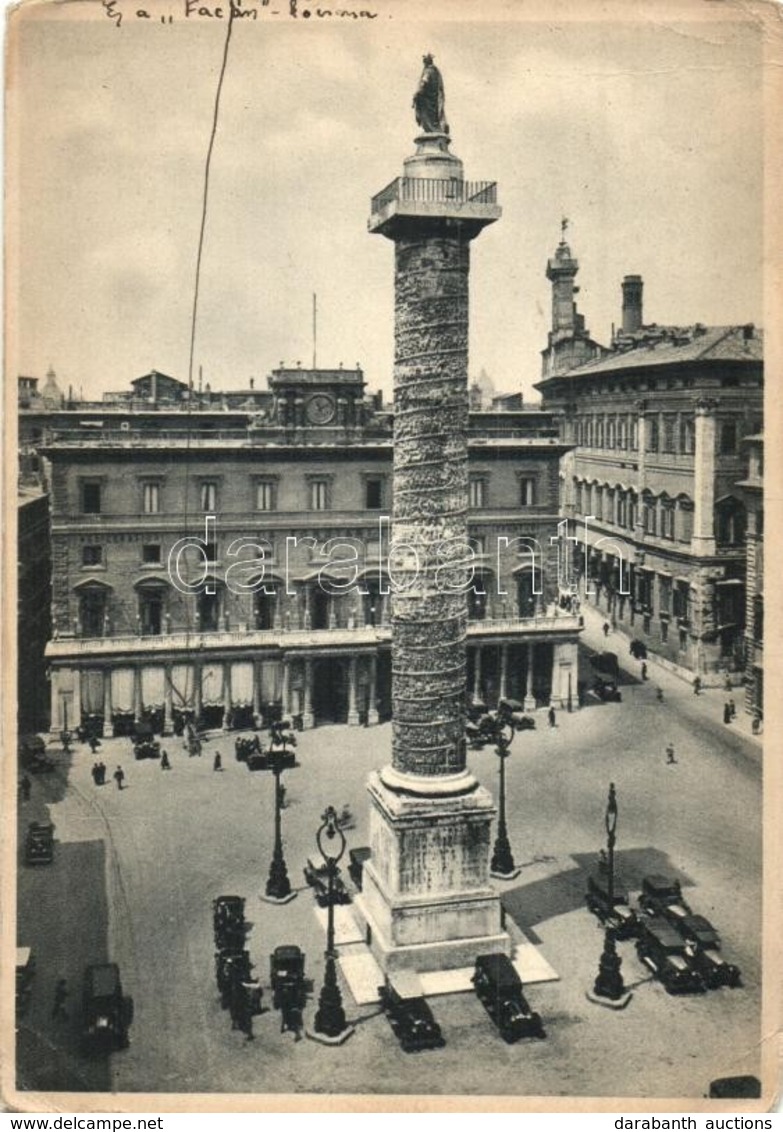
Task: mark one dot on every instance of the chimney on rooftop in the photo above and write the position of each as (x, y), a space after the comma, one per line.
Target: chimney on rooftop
(632, 303)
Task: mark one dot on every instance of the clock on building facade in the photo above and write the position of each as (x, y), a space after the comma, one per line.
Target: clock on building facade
(320, 409)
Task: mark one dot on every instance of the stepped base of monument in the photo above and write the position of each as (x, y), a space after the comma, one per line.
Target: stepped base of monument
(426, 902)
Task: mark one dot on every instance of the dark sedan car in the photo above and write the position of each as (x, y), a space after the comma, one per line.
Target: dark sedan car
(661, 948)
(499, 988)
(409, 1015)
(616, 913)
(662, 896)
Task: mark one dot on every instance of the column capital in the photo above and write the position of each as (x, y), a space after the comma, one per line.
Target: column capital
(706, 406)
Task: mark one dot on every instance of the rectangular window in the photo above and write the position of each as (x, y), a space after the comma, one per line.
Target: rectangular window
(150, 554)
(151, 498)
(266, 495)
(728, 438)
(373, 494)
(478, 544)
(211, 551)
(622, 437)
(91, 498)
(208, 495)
(319, 495)
(92, 556)
(477, 492)
(669, 429)
(665, 593)
(680, 601)
(527, 491)
(598, 502)
(599, 429)
(610, 432)
(685, 524)
(653, 434)
(622, 510)
(667, 521)
(664, 630)
(648, 518)
(634, 434)
(687, 436)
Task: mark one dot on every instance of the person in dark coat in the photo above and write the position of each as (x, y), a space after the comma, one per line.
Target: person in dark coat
(119, 777)
(670, 759)
(644, 670)
(732, 708)
(164, 760)
(96, 773)
(101, 774)
(93, 743)
(551, 717)
(606, 628)
(726, 713)
(217, 762)
(697, 685)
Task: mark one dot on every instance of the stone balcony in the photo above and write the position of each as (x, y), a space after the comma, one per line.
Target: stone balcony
(489, 630)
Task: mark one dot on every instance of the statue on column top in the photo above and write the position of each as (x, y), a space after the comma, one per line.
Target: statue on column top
(429, 100)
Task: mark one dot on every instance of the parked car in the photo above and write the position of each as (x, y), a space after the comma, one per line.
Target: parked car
(356, 862)
(228, 921)
(409, 1015)
(232, 967)
(662, 896)
(661, 948)
(499, 988)
(32, 755)
(615, 914)
(317, 876)
(703, 944)
(39, 843)
(25, 970)
(263, 760)
(106, 1012)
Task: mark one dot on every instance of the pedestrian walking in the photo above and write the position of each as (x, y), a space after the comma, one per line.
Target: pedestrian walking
(217, 762)
(164, 760)
(551, 717)
(659, 695)
(101, 774)
(670, 759)
(727, 683)
(25, 787)
(726, 713)
(119, 777)
(697, 685)
(93, 743)
(732, 708)
(644, 670)
(96, 773)
(60, 996)
(606, 628)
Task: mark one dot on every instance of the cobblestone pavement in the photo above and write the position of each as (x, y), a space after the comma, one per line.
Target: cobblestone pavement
(172, 841)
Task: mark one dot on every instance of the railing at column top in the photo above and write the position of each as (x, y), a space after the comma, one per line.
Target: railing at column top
(435, 190)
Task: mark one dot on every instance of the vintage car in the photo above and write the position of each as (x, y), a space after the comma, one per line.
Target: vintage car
(661, 948)
(245, 747)
(662, 896)
(145, 747)
(317, 876)
(106, 1012)
(264, 760)
(25, 970)
(499, 988)
(607, 691)
(615, 914)
(703, 945)
(356, 862)
(33, 757)
(39, 843)
(232, 966)
(228, 921)
(409, 1015)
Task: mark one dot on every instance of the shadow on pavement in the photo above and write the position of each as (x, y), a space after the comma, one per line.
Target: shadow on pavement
(531, 904)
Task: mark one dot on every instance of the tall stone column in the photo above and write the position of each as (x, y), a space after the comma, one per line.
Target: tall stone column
(285, 694)
(529, 702)
(477, 697)
(503, 691)
(353, 714)
(256, 688)
(137, 704)
(226, 695)
(108, 729)
(426, 899)
(308, 720)
(703, 539)
(372, 694)
(168, 722)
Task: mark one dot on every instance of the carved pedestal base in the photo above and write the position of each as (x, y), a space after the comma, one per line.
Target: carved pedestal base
(426, 903)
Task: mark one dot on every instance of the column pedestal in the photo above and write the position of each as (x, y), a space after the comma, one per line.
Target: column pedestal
(426, 897)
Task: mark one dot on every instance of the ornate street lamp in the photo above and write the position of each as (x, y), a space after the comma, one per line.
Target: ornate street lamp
(330, 1026)
(278, 886)
(499, 728)
(609, 989)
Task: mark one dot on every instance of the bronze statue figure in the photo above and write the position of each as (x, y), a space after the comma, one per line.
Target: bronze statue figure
(428, 101)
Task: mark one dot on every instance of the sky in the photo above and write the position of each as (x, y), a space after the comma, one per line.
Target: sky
(647, 134)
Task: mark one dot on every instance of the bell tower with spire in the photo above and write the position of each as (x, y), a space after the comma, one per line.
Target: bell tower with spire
(568, 343)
